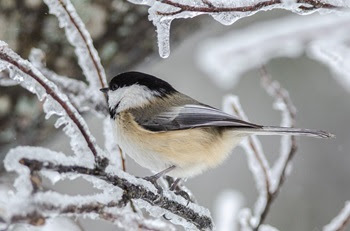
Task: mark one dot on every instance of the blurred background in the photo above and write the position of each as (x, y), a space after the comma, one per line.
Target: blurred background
(319, 183)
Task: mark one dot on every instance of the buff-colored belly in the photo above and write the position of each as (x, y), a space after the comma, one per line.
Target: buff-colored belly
(192, 151)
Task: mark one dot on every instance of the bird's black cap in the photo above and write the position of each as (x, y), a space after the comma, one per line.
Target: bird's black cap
(130, 78)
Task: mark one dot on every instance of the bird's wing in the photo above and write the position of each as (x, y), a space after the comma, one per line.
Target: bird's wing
(192, 116)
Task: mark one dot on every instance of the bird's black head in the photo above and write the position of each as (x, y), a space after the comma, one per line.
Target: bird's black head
(153, 83)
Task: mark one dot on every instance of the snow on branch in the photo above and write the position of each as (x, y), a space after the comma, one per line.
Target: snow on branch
(233, 54)
(340, 222)
(118, 188)
(76, 90)
(162, 12)
(268, 180)
(56, 103)
(80, 38)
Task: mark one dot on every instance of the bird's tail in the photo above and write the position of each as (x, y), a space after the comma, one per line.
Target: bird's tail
(270, 130)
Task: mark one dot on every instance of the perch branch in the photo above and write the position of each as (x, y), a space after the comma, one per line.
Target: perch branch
(131, 191)
(210, 8)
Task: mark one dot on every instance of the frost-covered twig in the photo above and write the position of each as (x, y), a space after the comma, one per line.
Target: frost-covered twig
(340, 222)
(76, 90)
(269, 181)
(126, 221)
(211, 8)
(131, 190)
(80, 38)
(288, 144)
(23, 71)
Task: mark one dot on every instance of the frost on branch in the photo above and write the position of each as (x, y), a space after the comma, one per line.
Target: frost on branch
(163, 12)
(55, 102)
(76, 90)
(80, 38)
(233, 54)
(336, 55)
(268, 180)
(341, 220)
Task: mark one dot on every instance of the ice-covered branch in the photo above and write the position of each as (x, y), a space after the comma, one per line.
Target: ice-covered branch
(235, 53)
(162, 12)
(76, 90)
(132, 189)
(288, 148)
(268, 181)
(55, 103)
(340, 222)
(80, 38)
(259, 5)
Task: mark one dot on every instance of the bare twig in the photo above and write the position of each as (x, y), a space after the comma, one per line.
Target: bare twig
(314, 4)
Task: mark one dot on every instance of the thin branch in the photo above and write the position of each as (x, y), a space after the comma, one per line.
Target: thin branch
(340, 222)
(68, 108)
(89, 46)
(258, 157)
(41, 213)
(131, 191)
(315, 4)
(279, 93)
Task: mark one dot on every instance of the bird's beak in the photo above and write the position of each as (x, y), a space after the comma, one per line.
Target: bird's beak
(104, 90)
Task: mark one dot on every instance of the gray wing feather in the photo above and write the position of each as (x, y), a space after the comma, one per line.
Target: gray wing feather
(192, 116)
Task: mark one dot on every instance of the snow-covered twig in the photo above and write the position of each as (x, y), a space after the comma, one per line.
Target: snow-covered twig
(131, 190)
(340, 222)
(288, 148)
(76, 90)
(211, 8)
(80, 38)
(269, 181)
(23, 71)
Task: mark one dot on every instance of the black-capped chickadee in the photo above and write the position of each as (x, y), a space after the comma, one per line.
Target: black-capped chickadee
(173, 134)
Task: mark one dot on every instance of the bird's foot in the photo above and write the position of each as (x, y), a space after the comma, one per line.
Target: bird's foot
(178, 191)
(153, 180)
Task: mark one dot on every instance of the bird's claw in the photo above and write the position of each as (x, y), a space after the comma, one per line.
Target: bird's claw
(153, 180)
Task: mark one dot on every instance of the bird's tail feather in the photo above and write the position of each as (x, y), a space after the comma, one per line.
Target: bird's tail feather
(270, 130)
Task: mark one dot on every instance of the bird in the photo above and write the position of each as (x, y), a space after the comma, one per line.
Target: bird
(173, 134)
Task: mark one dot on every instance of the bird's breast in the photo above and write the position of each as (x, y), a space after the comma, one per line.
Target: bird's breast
(192, 150)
